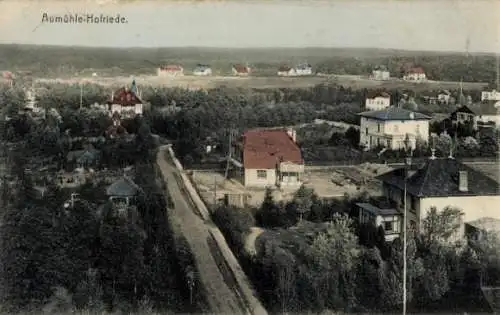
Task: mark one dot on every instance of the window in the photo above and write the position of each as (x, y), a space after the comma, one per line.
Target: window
(418, 128)
(366, 131)
(389, 226)
(414, 204)
(262, 174)
(378, 127)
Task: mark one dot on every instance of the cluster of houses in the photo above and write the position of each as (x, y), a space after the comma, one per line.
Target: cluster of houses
(272, 158)
(200, 70)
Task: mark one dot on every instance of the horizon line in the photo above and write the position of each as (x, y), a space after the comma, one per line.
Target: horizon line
(251, 48)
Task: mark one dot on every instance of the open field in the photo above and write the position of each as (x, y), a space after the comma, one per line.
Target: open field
(262, 82)
(328, 182)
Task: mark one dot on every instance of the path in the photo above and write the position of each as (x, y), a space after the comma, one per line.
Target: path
(222, 294)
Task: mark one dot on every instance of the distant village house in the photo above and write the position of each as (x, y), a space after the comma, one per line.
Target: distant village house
(170, 71)
(493, 95)
(381, 74)
(415, 74)
(286, 71)
(377, 101)
(240, 70)
(304, 69)
(202, 70)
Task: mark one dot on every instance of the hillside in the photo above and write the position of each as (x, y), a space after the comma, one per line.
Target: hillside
(59, 61)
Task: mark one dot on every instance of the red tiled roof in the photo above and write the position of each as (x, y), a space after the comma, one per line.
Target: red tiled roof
(416, 70)
(125, 97)
(265, 148)
(241, 68)
(171, 68)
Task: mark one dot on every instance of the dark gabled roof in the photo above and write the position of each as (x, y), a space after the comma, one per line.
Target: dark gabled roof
(464, 109)
(394, 113)
(124, 187)
(439, 178)
(373, 94)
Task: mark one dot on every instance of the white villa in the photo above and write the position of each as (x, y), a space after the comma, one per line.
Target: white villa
(391, 126)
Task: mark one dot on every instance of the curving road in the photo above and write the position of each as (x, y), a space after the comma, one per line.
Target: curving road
(222, 294)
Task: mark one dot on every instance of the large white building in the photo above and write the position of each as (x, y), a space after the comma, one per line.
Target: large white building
(303, 69)
(377, 101)
(381, 74)
(415, 74)
(493, 95)
(391, 127)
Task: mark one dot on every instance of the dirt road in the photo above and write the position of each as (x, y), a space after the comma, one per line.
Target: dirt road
(222, 294)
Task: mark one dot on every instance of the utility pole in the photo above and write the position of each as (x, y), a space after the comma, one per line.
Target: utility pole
(81, 95)
(215, 190)
(497, 72)
(405, 219)
(229, 154)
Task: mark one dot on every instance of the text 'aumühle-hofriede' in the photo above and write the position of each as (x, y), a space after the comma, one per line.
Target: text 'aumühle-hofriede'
(87, 18)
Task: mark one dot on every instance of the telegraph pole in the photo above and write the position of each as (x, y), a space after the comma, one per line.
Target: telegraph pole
(81, 95)
(229, 154)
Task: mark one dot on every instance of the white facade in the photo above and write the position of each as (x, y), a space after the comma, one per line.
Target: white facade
(414, 76)
(240, 74)
(381, 75)
(391, 134)
(289, 73)
(473, 207)
(392, 224)
(443, 98)
(202, 72)
(288, 176)
(304, 71)
(488, 118)
(126, 111)
(490, 95)
(378, 102)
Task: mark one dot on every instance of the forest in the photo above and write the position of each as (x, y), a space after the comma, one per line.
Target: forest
(62, 255)
(312, 256)
(66, 61)
(69, 259)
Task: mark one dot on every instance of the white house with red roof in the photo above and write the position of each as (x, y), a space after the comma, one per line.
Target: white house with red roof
(126, 102)
(170, 71)
(415, 74)
(270, 158)
(241, 70)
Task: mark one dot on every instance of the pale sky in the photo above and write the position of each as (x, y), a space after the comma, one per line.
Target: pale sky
(441, 25)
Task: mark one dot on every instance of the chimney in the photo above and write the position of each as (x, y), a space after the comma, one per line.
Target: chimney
(463, 183)
(292, 134)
